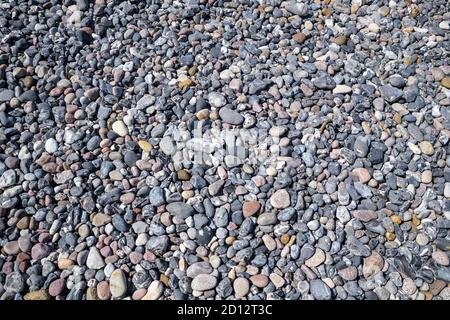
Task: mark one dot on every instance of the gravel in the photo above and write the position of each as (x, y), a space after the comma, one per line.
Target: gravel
(270, 150)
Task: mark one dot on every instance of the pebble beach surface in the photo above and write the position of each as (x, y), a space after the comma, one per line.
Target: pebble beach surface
(109, 191)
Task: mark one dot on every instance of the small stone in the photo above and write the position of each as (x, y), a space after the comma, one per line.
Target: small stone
(372, 264)
(280, 199)
(427, 176)
(14, 282)
(249, 208)
(390, 236)
(317, 259)
(390, 93)
(154, 291)
(100, 219)
(167, 146)
(267, 218)
(157, 196)
(204, 282)
(362, 174)
(259, 280)
(445, 82)
(94, 259)
(426, 148)
(216, 100)
(180, 209)
(197, 268)
(145, 146)
(373, 27)
(103, 291)
(299, 37)
(183, 175)
(11, 248)
(51, 146)
(120, 128)
(340, 40)
(349, 273)
(342, 89)
(297, 8)
(39, 251)
(118, 283)
(37, 295)
(364, 215)
(57, 287)
(230, 116)
(241, 287)
(441, 258)
(277, 280)
(320, 290)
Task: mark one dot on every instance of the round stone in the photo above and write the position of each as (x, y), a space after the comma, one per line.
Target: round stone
(280, 199)
(120, 128)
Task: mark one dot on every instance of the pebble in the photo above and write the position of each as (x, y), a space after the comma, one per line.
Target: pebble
(280, 199)
(253, 151)
(203, 282)
(241, 287)
(320, 290)
(231, 116)
(120, 128)
(118, 283)
(154, 291)
(317, 259)
(94, 259)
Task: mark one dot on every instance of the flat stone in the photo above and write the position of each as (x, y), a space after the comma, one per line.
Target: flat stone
(280, 199)
(342, 89)
(231, 116)
(94, 259)
(204, 282)
(362, 174)
(154, 291)
(241, 287)
(390, 93)
(317, 259)
(37, 295)
(349, 273)
(320, 290)
(100, 219)
(11, 248)
(372, 264)
(266, 219)
(118, 283)
(39, 251)
(249, 208)
(57, 287)
(364, 215)
(297, 8)
(103, 291)
(259, 280)
(180, 209)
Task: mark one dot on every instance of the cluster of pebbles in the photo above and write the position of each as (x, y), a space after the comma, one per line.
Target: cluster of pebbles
(95, 204)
